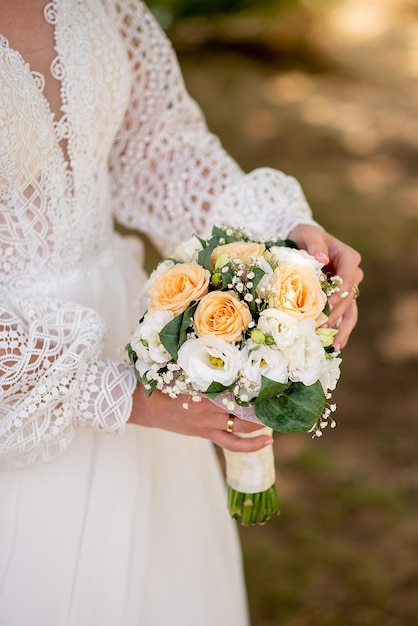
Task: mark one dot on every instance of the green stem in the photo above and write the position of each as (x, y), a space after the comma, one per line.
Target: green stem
(253, 508)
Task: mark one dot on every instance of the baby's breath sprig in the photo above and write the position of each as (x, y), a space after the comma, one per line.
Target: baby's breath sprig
(227, 234)
(325, 420)
(331, 284)
(244, 282)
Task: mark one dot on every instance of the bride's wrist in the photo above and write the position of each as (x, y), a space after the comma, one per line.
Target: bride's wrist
(139, 407)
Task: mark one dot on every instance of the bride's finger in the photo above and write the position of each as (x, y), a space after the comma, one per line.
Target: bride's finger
(341, 302)
(244, 426)
(346, 326)
(234, 443)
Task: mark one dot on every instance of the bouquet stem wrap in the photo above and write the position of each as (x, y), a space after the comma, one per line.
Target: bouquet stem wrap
(251, 472)
(251, 480)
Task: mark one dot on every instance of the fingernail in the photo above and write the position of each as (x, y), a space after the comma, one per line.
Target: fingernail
(321, 256)
(268, 441)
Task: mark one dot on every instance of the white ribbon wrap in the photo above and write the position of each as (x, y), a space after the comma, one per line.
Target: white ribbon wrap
(251, 472)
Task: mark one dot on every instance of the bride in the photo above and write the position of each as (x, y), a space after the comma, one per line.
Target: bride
(109, 514)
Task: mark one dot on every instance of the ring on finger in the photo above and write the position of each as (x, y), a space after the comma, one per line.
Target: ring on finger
(356, 291)
(230, 424)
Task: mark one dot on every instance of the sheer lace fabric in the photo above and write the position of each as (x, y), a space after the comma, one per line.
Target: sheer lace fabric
(167, 163)
(127, 143)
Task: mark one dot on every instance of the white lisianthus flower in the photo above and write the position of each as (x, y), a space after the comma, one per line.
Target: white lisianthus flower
(279, 255)
(329, 373)
(146, 340)
(305, 355)
(261, 360)
(209, 359)
(284, 328)
(188, 251)
(142, 366)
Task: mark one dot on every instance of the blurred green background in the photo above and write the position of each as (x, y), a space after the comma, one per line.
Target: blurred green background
(326, 90)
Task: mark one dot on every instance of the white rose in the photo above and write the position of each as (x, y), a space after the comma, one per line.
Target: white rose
(146, 339)
(261, 360)
(330, 373)
(284, 328)
(305, 355)
(291, 256)
(188, 251)
(209, 359)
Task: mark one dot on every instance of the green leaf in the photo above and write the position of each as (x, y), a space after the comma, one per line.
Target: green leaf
(214, 390)
(202, 241)
(270, 389)
(170, 335)
(149, 385)
(289, 243)
(258, 275)
(204, 255)
(203, 258)
(219, 233)
(242, 402)
(226, 277)
(282, 243)
(132, 355)
(295, 410)
(186, 323)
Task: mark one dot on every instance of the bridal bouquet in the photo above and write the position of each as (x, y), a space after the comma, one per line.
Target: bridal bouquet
(240, 321)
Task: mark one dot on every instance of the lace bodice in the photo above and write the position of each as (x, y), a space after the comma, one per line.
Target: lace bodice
(129, 144)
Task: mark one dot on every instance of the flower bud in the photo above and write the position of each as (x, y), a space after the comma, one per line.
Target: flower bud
(257, 335)
(221, 260)
(216, 279)
(326, 336)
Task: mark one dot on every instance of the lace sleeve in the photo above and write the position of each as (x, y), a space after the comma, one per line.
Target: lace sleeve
(171, 176)
(52, 379)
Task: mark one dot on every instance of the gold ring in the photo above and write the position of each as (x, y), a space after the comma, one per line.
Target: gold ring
(230, 424)
(356, 291)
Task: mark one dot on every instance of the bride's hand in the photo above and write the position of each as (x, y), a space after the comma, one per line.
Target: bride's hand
(341, 259)
(200, 419)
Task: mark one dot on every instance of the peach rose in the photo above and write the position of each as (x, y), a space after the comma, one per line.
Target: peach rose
(220, 313)
(298, 292)
(175, 288)
(242, 250)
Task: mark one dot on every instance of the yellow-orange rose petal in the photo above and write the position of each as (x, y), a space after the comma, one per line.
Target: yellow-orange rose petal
(240, 250)
(298, 292)
(178, 286)
(221, 314)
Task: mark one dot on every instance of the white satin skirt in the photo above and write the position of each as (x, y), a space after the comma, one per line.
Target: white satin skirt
(128, 530)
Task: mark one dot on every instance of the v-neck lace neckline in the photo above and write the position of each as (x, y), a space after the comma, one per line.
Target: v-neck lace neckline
(54, 96)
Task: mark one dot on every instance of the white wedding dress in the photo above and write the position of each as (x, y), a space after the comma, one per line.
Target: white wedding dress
(104, 524)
